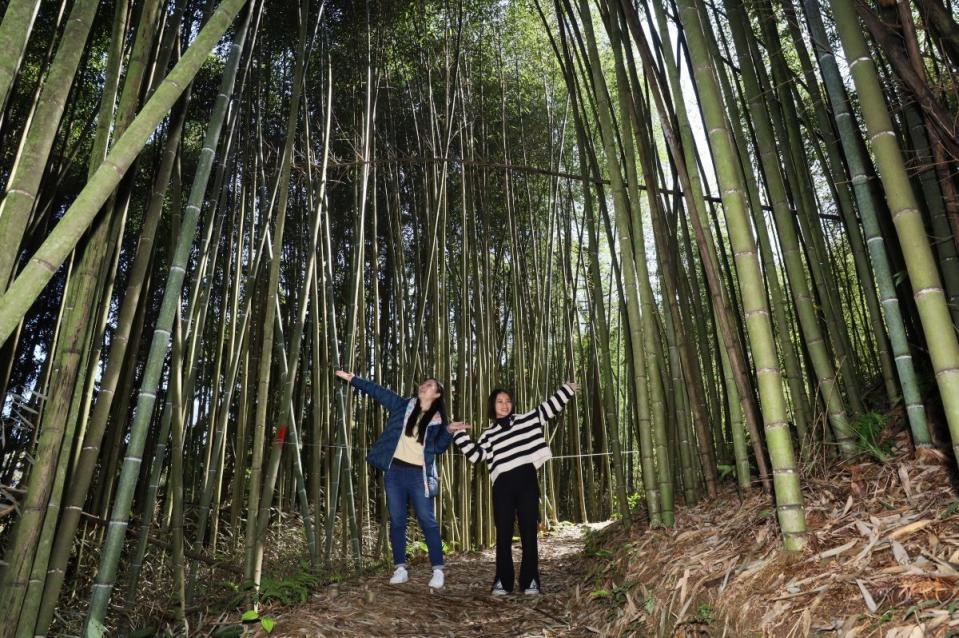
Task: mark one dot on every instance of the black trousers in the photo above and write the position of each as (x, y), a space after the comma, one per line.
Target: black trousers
(516, 496)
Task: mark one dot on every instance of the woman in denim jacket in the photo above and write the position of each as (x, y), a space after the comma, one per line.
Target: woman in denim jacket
(414, 435)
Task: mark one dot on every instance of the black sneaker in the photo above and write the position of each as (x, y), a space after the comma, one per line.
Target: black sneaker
(498, 589)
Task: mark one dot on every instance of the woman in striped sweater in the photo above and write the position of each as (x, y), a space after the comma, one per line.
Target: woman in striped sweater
(514, 447)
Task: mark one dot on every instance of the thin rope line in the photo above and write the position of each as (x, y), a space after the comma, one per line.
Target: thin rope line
(579, 456)
(562, 456)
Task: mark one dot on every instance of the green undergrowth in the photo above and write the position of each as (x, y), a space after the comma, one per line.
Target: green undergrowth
(870, 436)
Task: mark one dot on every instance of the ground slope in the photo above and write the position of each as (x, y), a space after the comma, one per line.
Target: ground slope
(883, 560)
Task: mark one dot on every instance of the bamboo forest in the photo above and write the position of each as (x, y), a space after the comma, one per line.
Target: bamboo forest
(479, 318)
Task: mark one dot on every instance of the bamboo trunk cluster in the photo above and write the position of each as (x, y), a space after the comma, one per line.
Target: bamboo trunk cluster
(692, 208)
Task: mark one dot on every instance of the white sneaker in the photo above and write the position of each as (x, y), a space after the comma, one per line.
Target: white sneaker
(533, 588)
(436, 582)
(498, 589)
(400, 576)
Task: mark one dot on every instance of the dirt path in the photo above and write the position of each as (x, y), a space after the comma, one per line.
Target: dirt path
(373, 607)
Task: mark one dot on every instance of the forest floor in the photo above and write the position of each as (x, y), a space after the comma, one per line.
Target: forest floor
(883, 560)
(464, 607)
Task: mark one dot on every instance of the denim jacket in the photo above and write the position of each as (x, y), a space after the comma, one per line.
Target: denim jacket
(435, 440)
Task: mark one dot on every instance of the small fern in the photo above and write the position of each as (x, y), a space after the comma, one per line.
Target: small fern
(288, 590)
(293, 589)
(868, 428)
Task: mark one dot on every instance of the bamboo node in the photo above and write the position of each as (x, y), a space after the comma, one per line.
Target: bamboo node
(20, 191)
(116, 169)
(905, 211)
(928, 291)
(880, 134)
(45, 264)
(790, 507)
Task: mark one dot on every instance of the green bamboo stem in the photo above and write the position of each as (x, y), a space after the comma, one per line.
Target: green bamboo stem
(24, 290)
(17, 24)
(789, 242)
(842, 189)
(858, 162)
(24, 180)
(786, 481)
(168, 90)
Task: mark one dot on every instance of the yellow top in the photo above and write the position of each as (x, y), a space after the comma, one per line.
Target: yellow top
(409, 449)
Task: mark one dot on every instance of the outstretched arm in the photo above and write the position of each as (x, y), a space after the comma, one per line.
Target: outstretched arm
(443, 440)
(552, 406)
(473, 451)
(385, 397)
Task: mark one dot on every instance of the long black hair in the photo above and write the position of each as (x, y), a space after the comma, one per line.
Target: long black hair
(424, 418)
(491, 402)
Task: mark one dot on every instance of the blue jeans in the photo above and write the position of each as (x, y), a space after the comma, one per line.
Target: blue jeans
(405, 484)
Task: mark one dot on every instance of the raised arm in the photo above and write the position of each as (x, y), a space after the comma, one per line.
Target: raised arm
(473, 451)
(387, 398)
(552, 406)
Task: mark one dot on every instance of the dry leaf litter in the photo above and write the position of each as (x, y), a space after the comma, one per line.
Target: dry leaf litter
(882, 561)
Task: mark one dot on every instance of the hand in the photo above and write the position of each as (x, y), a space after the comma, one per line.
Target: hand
(457, 426)
(346, 376)
(573, 386)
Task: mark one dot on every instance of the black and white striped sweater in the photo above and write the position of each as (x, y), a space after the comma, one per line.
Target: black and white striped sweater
(523, 441)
